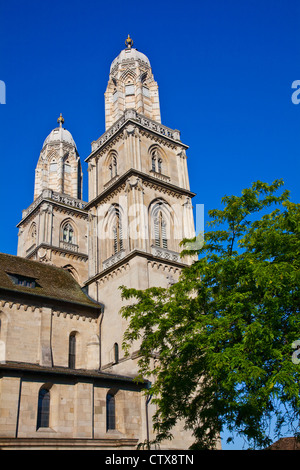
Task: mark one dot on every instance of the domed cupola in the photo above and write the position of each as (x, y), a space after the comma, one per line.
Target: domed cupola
(131, 85)
(129, 57)
(59, 167)
(60, 134)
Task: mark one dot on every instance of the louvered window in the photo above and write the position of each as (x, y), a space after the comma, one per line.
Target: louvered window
(118, 235)
(160, 232)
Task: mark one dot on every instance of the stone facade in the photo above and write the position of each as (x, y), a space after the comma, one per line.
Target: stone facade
(54, 229)
(61, 331)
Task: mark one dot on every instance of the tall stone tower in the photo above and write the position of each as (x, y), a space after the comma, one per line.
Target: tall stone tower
(53, 228)
(139, 199)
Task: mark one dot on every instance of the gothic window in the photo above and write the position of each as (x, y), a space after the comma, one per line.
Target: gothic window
(159, 163)
(68, 235)
(153, 163)
(72, 351)
(113, 166)
(117, 232)
(32, 234)
(160, 235)
(43, 416)
(156, 161)
(71, 270)
(110, 412)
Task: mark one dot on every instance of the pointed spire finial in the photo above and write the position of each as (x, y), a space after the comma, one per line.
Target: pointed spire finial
(60, 120)
(129, 42)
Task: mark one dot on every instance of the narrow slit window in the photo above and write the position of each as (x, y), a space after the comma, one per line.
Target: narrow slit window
(110, 412)
(72, 351)
(116, 353)
(118, 235)
(43, 409)
(160, 231)
(153, 164)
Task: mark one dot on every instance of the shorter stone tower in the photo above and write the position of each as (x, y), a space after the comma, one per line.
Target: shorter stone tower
(59, 166)
(53, 228)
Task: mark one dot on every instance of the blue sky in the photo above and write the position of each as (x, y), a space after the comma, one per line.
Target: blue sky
(224, 69)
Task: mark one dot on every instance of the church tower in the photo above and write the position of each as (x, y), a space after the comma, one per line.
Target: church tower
(139, 199)
(54, 227)
(59, 167)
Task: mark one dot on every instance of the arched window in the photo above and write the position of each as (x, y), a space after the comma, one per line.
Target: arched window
(43, 416)
(68, 234)
(72, 271)
(113, 166)
(153, 163)
(160, 233)
(117, 232)
(72, 351)
(116, 353)
(159, 163)
(32, 233)
(156, 160)
(110, 412)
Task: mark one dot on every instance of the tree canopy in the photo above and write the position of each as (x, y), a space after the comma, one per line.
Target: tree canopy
(218, 344)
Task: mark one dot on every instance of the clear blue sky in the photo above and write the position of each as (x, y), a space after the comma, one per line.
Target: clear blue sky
(224, 70)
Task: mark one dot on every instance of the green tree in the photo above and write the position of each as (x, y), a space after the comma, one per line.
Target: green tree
(217, 345)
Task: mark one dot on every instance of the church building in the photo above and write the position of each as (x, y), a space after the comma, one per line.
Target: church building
(64, 380)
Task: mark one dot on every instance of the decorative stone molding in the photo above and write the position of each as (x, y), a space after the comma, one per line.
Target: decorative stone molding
(113, 259)
(148, 124)
(164, 267)
(164, 253)
(77, 317)
(160, 176)
(10, 304)
(111, 182)
(68, 246)
(56, 197)
(162, 189)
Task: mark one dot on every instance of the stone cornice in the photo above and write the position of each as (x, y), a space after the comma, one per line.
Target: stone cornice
(60, 200)
(57, 249)
(146, 178)
(124, 261)
(51, 443)
(144, 123)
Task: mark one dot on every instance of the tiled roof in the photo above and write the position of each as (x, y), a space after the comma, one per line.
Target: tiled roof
(286, 443)
(51, 282)
(66, 371)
